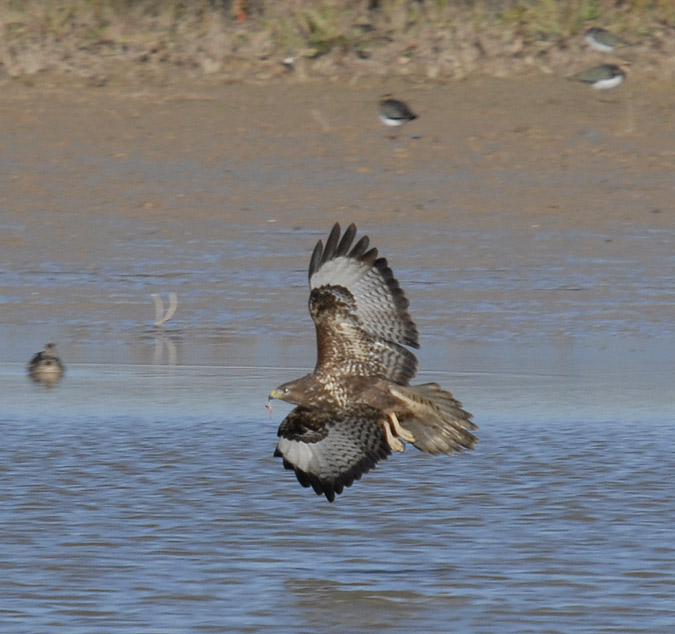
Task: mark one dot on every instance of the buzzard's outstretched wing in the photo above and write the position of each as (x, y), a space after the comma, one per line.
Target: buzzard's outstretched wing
(358, 404)
(360, 312)
(328, 449)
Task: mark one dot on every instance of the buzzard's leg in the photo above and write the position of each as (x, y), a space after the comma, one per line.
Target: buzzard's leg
(400, 431)
(393, 442)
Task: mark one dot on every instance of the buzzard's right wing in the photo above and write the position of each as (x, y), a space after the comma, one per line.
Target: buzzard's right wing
(328, 449)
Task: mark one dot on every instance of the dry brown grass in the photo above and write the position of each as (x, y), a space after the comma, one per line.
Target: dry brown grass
(345, 39)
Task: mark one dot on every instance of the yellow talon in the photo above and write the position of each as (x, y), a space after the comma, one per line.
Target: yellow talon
(399, 430)
(393, 442)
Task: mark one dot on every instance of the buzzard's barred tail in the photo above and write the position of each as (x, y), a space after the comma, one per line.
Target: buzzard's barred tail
(436, 420)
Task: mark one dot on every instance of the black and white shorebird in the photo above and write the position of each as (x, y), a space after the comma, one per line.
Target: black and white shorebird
(45, 366)
(602, 77)
(393, 112)
(602, 40)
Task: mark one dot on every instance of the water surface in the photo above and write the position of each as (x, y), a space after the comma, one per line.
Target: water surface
(140, 494)
(146, 498)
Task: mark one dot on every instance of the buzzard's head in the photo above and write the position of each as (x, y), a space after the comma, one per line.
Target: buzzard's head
(297, 392)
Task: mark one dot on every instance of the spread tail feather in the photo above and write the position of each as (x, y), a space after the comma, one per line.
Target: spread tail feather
(435, 419)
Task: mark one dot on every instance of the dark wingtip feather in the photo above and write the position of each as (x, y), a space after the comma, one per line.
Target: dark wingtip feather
(331, 244)
(310, 480)
(370, 256)
(346, 241)
(315, 262)
(333, 487)
(359, 248)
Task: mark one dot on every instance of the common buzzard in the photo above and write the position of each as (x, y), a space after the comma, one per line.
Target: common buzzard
(358, 403)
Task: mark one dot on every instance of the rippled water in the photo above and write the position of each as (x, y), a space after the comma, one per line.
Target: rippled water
(146, 499)
(141, 495)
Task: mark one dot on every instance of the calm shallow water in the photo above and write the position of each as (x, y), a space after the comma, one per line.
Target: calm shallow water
(146, 499)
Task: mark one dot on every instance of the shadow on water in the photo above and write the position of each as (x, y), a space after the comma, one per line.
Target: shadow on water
(328, 606)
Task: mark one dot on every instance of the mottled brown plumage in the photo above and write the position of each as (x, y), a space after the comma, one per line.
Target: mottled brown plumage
(357, 405)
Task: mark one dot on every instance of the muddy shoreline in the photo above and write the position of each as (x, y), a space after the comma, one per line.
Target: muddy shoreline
(520, 210)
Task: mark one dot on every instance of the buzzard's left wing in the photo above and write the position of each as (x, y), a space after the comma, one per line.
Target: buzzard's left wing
(328, 449)
(360, 312)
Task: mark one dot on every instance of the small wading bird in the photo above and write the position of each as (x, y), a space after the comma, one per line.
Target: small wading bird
(45, 366)
(602, 40)
(394, 113)
(358, 403)
(602, 77)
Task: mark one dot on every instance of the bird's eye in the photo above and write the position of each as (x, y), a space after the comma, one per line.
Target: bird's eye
(286, 390)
